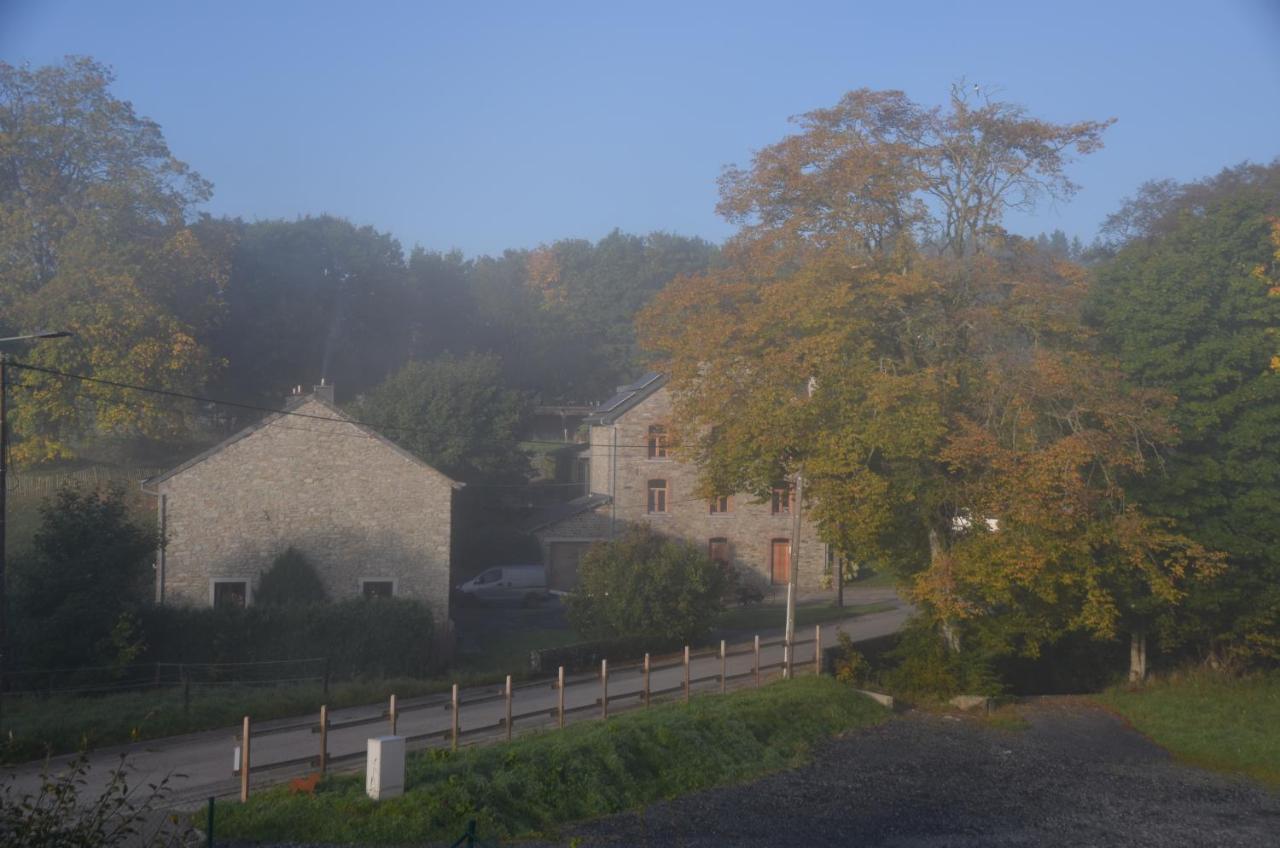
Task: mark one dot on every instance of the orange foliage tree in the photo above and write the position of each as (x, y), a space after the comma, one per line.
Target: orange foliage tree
(875, 327)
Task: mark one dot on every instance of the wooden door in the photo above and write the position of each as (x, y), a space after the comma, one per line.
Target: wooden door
(780, 561)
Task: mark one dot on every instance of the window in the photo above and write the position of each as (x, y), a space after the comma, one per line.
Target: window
(781, 500)
(722, 505)
(657, 496)
(229, 592)
(657, 442)
(490, 576)
(718, 551)
(378, 588)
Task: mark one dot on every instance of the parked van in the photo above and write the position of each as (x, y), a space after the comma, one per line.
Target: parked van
(509, 583)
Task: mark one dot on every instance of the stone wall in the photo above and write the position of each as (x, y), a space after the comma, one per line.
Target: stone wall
(355, 506)
(750, 528)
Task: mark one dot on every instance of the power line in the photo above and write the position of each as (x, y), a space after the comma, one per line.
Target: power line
(270, 411)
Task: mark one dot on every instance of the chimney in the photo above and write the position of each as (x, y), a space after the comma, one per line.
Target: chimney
(294, 394)
(324, 391)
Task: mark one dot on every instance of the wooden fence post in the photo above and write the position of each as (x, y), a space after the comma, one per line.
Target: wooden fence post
(817, 650)
(646, 680)
(560, 688)
(604, 688)
(391, 713)
(686, 674)
(757, 662)
(454, 744)
(244, 760)
(324, 738)
(508, 693)
(723, 667)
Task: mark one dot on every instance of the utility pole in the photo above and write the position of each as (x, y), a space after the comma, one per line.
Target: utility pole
(793, 575)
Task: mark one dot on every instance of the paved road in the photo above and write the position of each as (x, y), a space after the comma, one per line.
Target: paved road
(1076, 776)
(202, 763)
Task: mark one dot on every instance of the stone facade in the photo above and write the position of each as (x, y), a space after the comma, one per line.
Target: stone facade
(356, 506)
(622, 468)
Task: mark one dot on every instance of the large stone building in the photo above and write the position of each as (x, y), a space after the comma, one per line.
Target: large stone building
(636, 478)
(370, 516)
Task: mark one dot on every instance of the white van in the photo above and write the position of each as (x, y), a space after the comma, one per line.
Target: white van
(509, 583)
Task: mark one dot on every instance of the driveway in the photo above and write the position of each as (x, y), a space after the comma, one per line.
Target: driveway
(1075, 776)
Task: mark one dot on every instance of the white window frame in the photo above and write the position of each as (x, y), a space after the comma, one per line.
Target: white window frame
(248, 588)
(394, 581)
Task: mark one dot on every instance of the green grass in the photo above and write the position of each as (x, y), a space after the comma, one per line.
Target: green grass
(551, 778)
(1210, 720)
(768, 617)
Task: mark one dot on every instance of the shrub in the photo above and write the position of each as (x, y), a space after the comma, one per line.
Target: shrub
(359, 637)
(291, 579)
(924, 668)
(644, 584)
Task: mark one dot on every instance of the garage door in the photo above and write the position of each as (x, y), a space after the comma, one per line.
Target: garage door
(564, 557)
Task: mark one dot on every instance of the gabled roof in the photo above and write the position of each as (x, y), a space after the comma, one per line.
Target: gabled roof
(556, 513)
(627, 397)
(292, 405)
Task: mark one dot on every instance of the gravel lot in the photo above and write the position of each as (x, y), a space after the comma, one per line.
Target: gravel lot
(1077, 776)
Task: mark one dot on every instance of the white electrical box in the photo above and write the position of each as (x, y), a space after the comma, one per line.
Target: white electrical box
(384, 767)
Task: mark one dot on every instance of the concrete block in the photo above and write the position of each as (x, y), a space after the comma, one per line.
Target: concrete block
(971, 702)
(879, 698)
(384, 767)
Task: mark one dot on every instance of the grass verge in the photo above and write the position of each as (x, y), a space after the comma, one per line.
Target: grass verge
(1211, 720)
(767, 617)
(551, 778)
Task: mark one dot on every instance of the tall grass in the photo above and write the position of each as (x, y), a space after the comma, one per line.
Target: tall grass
(551, 778)
(1211, 720)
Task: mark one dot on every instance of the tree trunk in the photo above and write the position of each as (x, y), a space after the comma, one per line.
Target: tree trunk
(1137, 656)
(937, 554)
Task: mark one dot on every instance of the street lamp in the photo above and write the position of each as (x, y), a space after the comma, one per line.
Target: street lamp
(4, 487)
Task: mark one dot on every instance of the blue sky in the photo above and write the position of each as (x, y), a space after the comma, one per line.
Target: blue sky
(484, 126)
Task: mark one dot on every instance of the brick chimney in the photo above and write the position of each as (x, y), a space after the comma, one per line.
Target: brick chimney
(324, 391)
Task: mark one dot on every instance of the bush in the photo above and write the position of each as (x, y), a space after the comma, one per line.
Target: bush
(644, 584)
(90, 567)
(291, 579)
(360, 637)
(923, 668)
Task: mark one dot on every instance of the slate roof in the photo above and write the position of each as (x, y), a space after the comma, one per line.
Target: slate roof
(556, 513)
(626, 397)
(293, 404)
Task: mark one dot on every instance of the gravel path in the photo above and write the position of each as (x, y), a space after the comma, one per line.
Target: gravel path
(1077, 776)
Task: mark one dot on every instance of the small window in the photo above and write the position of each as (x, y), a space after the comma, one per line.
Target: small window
(231, 593)
(722, 505)
(378, 588)
(781, 500)
(657, 496)
(657, 442)
(718, 551)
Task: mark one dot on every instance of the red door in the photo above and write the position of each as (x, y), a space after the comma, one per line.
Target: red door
(780, 561)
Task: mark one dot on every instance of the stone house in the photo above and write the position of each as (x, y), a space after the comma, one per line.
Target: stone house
(635, 478)
(372, 518)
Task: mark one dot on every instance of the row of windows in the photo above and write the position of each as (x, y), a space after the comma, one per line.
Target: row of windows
(659, 500)
(235, 592)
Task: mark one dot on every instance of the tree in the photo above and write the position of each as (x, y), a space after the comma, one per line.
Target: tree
(646, 585)
(90, 566)
(1188, 301)
(455, 413)
(96, 237)
(930, 375)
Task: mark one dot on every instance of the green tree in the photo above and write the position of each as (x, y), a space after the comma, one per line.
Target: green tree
(90, 566)
(1188, 302)
(96, 237)
(931, 376)
(646, 585)
(455, 413)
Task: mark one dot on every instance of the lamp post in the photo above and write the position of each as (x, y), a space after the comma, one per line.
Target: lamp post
(4, 490)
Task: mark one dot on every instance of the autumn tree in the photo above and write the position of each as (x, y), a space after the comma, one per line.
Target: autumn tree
(876, 328)
(97, 237)
(1189, 301)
